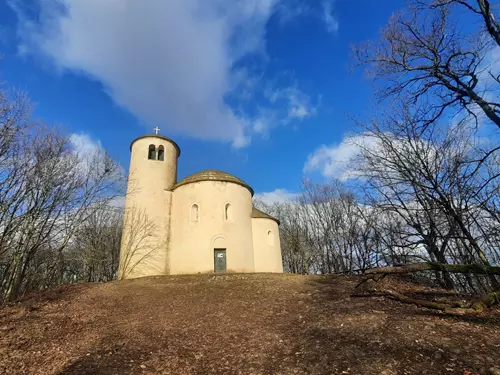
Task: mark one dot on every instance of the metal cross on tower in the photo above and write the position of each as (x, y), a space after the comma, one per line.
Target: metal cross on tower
(157, 129)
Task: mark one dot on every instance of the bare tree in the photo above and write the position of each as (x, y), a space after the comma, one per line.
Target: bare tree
(298, 250)
(47, 191)
(339, 231)
(139, 242)
(325, 230)
(433, 179)
(426, 57)
(94, 252)
(429, 166)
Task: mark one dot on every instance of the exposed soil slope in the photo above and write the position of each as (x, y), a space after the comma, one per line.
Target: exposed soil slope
(240, 324)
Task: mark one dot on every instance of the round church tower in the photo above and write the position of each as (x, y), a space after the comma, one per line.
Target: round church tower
(152, 175)
(153, 163)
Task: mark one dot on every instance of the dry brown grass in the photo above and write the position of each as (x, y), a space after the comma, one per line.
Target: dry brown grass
(240, 324)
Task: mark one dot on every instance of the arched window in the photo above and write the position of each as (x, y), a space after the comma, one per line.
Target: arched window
(195, 213)
(270, 238)
(228, 212)
(152, 152)
(161, 153)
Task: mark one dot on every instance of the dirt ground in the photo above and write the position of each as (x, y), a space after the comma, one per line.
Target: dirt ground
(241, 324)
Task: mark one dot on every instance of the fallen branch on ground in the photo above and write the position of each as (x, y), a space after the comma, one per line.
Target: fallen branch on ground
(412, 301)
(432, 266)
(485, 301)
(367, 286)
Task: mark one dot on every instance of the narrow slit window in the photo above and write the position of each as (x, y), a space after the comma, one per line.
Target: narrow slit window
(228, 212)
(161, 153)
(195, 213)
(270, 238)
(152, 152)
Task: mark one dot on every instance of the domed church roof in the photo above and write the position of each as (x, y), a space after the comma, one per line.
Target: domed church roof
(213, 175)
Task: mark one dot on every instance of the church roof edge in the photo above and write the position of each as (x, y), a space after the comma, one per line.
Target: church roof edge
(258, 214)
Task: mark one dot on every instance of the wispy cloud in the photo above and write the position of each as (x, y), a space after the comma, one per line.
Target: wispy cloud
(293, 103)
(324, 10)
(290, 10)
(329, 17)
(297, 103)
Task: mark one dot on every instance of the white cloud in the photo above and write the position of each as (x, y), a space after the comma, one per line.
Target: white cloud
(276, 196)
(261, 125)
(91, 155)
(298, 105)
(83, 144)
(330, 19)
(334, 161)
(170, 63)
(88, 152)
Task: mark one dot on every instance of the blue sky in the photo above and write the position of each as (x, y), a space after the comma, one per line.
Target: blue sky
(257, 88)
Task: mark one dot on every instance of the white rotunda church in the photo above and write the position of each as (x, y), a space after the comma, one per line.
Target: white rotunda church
(204, 223)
